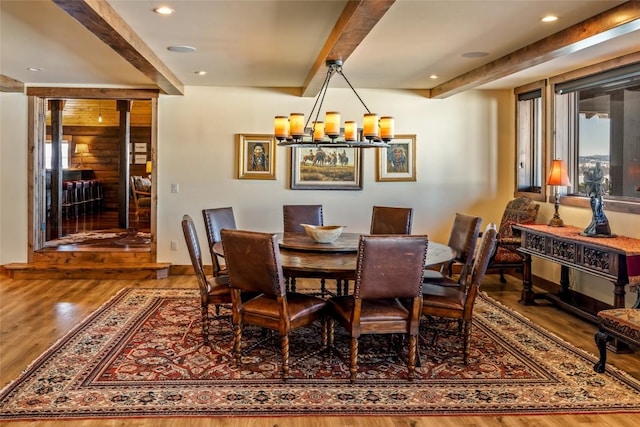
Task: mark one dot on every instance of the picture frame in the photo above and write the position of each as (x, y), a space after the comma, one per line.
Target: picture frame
(398, 161)
(340, 168)
(253, 162)
(139, 159)
(140, 147)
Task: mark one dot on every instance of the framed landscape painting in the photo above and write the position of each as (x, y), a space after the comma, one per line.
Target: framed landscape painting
(256, 156)
(326, 168)
(398, 161)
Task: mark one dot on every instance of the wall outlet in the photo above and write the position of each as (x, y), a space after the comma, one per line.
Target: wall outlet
(174, 245)
(175, 188)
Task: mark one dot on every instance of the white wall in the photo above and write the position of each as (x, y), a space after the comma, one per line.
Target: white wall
(465, 149)
(460, 163)
(13, 178)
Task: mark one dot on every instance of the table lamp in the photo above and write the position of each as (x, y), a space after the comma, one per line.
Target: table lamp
(81, 149)
(557, 177)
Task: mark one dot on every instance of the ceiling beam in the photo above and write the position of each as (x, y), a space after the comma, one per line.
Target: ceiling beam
(104, 22)
(90, 93)
(353, 25)
(7, 84)
(597, 29)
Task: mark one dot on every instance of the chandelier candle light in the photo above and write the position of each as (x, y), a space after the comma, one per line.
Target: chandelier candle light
(557, 177)
(293, 131)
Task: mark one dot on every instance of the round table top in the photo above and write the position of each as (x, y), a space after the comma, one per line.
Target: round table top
(340, 264)
(346, 242)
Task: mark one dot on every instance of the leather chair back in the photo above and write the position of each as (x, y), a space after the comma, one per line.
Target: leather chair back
(463, 238)
(215, 220)
(390, 220)
(253, 261)
(390, 266)
(485, 252)
(195, 253)
(294, 215)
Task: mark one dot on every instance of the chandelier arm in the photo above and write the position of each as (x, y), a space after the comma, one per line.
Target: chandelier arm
(323, 91)
(339, 71)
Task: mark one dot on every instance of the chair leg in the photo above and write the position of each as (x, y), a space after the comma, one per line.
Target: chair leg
(204, 311)
(284, 346)
(502, 279)
(237, 338)
(413, 351)
(601, 341)
(467, 338)
(353, 368)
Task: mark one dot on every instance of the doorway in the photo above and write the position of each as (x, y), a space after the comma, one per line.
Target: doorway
(91, 205)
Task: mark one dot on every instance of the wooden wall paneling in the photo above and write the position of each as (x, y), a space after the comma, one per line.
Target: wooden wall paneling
(103, 156)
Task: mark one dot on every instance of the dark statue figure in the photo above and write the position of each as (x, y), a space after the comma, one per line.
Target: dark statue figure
(599, 226)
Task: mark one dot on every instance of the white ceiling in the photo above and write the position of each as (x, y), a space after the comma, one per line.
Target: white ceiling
(255, 43)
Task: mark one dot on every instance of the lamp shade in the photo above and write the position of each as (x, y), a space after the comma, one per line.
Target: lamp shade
(370, 125)
(558, 174)
(81, 148)
(332, 123)
(350, 130)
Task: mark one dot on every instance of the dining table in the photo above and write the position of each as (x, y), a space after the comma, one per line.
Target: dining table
(303, 257)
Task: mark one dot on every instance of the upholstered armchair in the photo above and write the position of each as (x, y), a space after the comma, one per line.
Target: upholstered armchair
(521, 210)
(141, 191)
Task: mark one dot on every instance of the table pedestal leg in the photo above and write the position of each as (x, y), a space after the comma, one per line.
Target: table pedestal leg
(616, 345)
(527, 297)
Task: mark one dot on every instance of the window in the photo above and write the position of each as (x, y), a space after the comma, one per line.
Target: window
(530, 140)
(65, 154)
(598, 124)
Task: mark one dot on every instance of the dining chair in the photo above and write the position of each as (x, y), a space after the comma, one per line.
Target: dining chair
(216, 292)
(294, 215)
(215, 219)
(387, 297)
(254, 264)
(391, 220)
(451, 303)
(521, 210)
(463, 238)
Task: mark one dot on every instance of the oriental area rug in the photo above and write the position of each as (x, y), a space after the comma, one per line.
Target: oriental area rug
(141, 354)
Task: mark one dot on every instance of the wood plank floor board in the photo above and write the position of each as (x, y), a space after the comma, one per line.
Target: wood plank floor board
(36, 313)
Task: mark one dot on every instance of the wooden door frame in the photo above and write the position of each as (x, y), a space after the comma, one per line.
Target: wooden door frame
(36, 180)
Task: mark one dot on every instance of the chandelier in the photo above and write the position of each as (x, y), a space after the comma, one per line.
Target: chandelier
(293, 131)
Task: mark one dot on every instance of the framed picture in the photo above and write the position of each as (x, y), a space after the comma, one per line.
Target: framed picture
(140, 147)
(326, 168)
(256, 156)
(398, 161)
(139, 159)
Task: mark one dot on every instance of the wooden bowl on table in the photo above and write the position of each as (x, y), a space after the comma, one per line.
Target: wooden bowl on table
(323, 233)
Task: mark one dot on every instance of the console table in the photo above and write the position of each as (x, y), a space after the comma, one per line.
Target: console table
(616, 259)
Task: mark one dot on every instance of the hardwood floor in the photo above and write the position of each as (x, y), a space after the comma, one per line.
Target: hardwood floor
(36, 313)
(99, 220)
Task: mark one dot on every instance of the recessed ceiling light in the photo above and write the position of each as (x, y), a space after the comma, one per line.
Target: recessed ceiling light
(182, 49)
(200, 73)
(163, 10)
(35, 69)
(549, 18)
(434, 76)
(474, 54)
